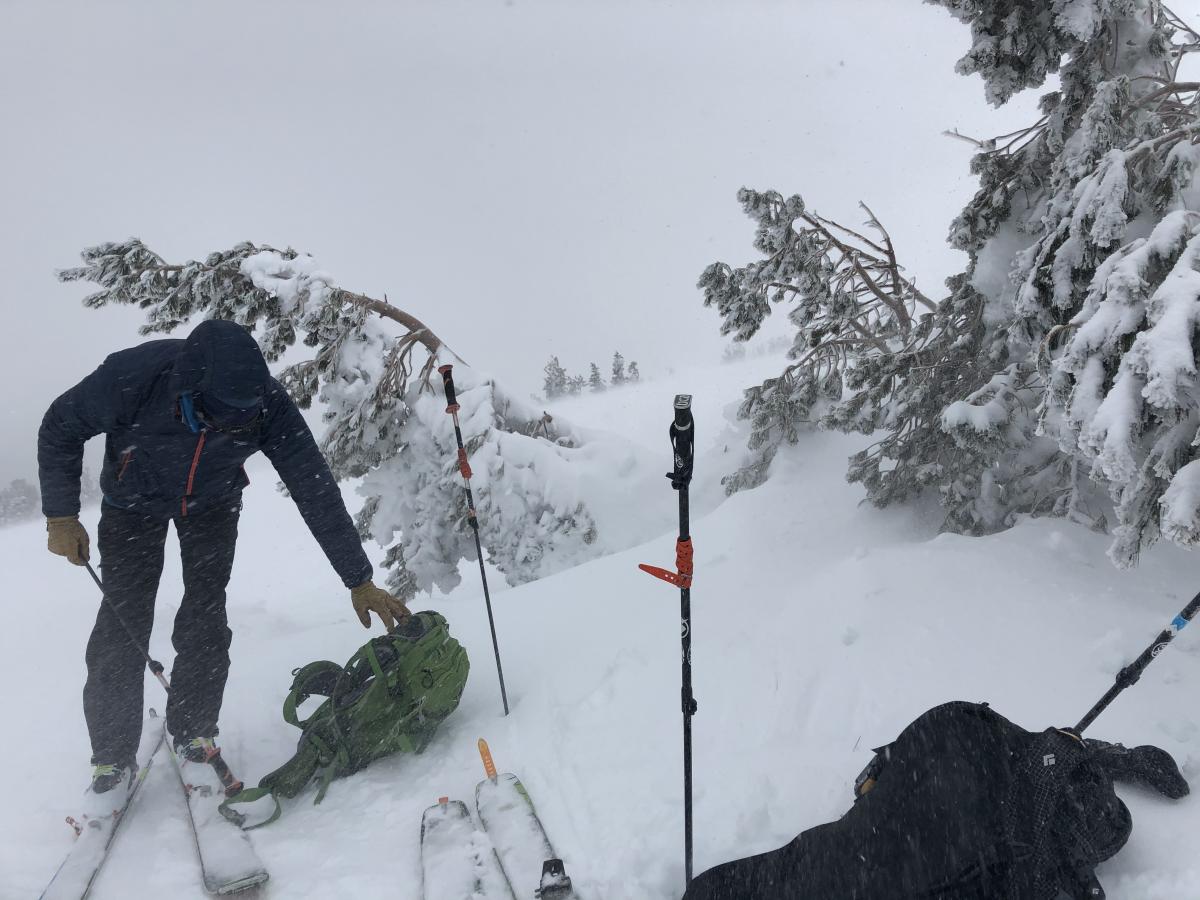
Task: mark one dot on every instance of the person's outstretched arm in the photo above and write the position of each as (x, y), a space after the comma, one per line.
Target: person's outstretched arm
(289, 444)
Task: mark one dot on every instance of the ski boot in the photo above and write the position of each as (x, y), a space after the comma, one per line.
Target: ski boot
(197, 749)
(107, 777)
(106, 796)
(202, 750)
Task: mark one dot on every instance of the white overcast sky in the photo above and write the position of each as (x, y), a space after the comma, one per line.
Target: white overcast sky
(528, 177)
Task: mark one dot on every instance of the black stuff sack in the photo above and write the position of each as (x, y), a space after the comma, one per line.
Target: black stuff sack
(963, 805)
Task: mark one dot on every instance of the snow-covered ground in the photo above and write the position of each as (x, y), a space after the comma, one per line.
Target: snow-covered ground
(821, 628)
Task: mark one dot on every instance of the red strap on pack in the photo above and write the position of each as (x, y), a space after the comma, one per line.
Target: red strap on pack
(684, 564)
(463, 465)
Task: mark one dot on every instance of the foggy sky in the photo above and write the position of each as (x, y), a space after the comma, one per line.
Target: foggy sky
(528, 178)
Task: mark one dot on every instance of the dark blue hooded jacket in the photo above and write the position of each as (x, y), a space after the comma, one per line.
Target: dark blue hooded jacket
(163, 462)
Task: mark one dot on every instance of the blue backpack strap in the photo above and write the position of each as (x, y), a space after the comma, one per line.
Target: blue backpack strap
(187, 407)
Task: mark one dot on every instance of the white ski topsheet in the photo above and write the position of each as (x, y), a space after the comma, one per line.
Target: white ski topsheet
(457, 859)
(100, 823)
(513, 828)
(227, 858)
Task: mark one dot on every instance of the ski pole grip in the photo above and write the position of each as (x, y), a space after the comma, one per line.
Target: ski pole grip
(683, 411)
(448, 382)
(683, 442)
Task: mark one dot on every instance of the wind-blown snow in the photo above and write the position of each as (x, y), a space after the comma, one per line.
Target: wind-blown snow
(821, 628)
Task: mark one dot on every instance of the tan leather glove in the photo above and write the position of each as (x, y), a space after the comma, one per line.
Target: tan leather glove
(367, 599)
(66, 536)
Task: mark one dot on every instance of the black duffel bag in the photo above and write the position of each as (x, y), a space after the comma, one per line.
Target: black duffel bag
(963, 805)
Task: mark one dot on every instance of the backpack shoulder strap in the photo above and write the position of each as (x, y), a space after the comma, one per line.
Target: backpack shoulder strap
(259, 807)
(317, 679)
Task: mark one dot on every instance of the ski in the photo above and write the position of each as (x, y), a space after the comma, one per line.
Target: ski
(227, 858)
(457, 860)
(98, 823)
(527, 858)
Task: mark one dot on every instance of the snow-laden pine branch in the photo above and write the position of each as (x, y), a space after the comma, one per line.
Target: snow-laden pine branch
(369, 369)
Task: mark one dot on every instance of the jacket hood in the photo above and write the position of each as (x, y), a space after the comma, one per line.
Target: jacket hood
(222, 361)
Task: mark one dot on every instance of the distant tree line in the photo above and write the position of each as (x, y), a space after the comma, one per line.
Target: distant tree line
(560, 383)
(21, 501)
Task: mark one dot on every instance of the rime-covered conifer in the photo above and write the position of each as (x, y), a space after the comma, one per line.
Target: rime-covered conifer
(1061, 364)
(595, 380)
(618, 370)
(1097, 312)
(555, 383)
(89, 488)
(386, 421)
(850, 303)
(19, 502)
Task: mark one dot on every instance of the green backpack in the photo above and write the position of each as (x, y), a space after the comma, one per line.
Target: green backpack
(390, 697)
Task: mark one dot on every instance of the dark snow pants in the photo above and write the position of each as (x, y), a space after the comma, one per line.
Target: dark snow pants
(131, 553)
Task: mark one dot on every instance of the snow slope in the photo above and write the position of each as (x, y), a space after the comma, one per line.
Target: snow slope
(821, 628)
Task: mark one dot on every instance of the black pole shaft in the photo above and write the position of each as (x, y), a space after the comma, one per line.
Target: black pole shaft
(487, 597)
(452, 408)
(156, 668)
(689, 700)
(683, 444)
(1129, 675)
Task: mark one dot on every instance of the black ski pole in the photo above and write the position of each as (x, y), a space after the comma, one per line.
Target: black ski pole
(1129, 675)
(231, 782)
(465, 468)
(683, 444)
(155, 667)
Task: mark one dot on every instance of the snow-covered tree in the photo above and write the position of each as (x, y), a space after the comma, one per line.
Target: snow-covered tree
(735, 351)
(618, 370)
(1062, 360)
(850, 304)
(595, 380)
(632, 374)
(1099, 310)
(19, 502)
(386, 420)
(575, 385)
(555, 382)
(89, 488)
